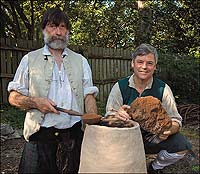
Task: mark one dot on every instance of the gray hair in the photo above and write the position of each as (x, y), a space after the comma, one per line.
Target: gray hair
(145, 49)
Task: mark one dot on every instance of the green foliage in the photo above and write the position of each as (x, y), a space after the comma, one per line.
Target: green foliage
(93, 23)
(176, 26)
(181, 73)
(172, 26)
(101, 108)
(12, 115)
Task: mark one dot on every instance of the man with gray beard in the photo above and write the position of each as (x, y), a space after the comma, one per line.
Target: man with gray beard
(50, 77)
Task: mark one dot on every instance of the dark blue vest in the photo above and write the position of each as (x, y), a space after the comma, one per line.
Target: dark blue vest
(130, 94)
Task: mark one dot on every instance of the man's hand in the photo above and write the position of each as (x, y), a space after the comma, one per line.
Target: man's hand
(172, 130)
(122, 114)
(44, 105)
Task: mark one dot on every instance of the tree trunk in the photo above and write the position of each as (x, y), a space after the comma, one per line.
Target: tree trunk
(143, 29)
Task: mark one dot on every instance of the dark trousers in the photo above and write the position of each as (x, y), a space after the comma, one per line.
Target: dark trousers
(52, 150)
(174, 143)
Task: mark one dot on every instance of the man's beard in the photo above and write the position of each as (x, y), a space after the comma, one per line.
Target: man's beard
(55, 42)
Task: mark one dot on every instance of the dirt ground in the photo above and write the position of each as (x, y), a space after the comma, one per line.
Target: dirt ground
(10, 155)
(11, 152)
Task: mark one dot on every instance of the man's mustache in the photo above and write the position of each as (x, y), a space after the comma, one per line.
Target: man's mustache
(57, 38)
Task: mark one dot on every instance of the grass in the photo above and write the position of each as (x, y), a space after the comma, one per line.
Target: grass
(13, 116)
(190, 132)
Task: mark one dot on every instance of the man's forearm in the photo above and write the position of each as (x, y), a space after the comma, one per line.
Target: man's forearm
(90, 104)
(21, 101)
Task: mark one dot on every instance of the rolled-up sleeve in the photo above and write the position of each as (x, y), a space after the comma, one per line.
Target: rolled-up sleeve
(88, 87)
(168, 102)
(20, 80)
(115, 100)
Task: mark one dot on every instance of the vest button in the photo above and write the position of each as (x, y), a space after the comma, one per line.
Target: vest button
(56, 133)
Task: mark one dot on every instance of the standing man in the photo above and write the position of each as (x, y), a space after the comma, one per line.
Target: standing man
(142, 83)
(53, 76)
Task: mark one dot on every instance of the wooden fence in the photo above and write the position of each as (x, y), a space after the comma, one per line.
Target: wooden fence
(108, 65)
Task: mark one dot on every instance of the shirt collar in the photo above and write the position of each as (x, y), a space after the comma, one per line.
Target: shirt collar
(46, 51)
(132, 83)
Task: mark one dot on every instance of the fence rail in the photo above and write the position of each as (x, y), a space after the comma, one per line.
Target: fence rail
(107, 64)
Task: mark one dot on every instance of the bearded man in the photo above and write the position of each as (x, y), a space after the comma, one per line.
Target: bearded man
(53, 76)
